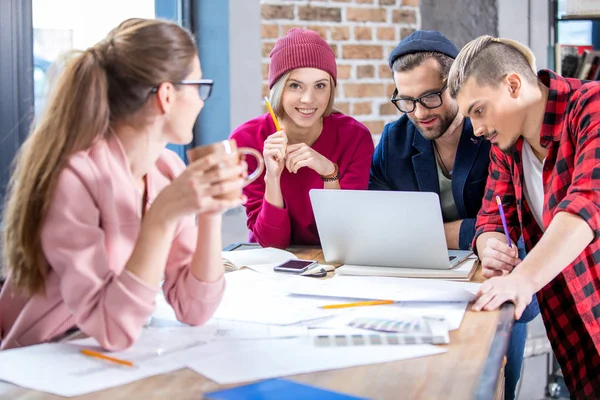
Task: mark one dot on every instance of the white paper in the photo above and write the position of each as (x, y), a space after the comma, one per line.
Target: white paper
(154, 342)
(157, 351)
(260, 256)
(61, 369)
(5, 389)
(220, 329)
(260, 298)
(234, 330)
(257, 298)
(375, 287)
(234, 362)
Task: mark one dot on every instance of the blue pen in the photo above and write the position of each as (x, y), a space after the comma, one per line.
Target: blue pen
(503, 217)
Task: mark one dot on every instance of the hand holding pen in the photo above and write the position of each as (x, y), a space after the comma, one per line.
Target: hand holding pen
(275, 147)
(499, 257)
(274, 154)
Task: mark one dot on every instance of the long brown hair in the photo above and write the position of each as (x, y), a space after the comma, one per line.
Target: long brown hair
(108, 82)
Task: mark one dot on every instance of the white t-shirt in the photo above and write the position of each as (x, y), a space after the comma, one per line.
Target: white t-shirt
(533, 188)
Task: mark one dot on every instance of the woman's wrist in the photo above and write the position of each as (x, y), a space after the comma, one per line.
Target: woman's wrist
(210, 218)
(273, 193)
(334, 175)
(329, 169)
(272, 180)
(158, 218)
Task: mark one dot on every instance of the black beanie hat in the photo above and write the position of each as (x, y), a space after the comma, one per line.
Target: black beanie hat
(421, 41)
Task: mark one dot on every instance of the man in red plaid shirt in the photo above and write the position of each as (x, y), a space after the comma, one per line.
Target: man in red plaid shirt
(545, 166)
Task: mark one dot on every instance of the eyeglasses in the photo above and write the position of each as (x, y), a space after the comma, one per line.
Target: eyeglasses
(430, 101)
(204, 87)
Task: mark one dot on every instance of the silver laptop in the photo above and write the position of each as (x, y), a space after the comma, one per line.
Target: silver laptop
(383, 228)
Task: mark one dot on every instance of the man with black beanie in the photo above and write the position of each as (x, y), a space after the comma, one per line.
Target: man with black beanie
(432, 148)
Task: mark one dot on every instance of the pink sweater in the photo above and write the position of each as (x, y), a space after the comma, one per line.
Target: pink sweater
(343, 140)
(89, 234)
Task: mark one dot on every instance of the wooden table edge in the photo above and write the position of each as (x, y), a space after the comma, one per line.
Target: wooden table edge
(488, 380)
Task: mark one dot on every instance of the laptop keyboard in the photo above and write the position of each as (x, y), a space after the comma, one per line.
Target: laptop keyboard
(451, 258)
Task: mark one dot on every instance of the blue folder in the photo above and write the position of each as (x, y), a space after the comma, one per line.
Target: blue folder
(278, 389)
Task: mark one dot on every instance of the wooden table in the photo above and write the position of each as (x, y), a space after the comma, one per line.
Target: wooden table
(471, 369)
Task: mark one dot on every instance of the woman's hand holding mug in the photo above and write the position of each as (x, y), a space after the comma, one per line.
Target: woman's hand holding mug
(212, 183)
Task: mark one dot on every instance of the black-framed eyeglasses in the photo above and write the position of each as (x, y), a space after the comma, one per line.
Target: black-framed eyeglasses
(204, 86)
(429, 100)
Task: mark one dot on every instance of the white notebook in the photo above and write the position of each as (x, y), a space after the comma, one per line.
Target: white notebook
(258, 259)
(462, 272)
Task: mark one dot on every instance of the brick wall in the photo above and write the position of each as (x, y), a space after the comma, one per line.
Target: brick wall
(361, 33)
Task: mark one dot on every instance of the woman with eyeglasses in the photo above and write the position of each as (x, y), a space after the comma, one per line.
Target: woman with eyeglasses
(316, 147)
(99, 212)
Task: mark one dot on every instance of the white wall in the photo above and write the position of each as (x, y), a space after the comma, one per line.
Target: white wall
(528, 22)
(245, 61)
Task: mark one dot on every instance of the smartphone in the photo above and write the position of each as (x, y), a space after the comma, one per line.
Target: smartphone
(295, 266)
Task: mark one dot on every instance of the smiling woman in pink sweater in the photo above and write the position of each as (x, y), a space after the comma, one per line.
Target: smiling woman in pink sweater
(99, 213)
(315, 148)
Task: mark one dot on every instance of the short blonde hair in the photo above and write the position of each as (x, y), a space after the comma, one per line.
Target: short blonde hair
(489, 60)
(276, 95)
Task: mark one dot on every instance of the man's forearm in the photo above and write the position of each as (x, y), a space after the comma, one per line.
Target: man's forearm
(452, 231)
(564, 240)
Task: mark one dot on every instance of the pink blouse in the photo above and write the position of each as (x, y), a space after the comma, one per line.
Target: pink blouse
(90, 231)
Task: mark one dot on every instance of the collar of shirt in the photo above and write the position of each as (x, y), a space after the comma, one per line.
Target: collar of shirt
(559, 93)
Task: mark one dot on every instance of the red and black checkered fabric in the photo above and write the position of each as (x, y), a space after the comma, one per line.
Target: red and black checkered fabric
(570, 303)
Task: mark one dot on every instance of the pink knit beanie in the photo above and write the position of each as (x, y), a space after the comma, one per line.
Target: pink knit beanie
(301, 48)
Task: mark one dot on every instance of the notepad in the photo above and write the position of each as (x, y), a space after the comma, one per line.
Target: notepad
(277, 389)
(259, 259)
(462, 272)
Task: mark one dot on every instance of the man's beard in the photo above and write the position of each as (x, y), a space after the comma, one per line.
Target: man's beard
(508, 149)
(444, 122)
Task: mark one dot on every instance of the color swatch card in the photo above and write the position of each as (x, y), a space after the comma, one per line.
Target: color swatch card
(381, 331)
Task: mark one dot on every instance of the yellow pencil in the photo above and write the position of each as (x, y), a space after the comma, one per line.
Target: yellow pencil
(92, 353)
(272, 115)
(359, 304)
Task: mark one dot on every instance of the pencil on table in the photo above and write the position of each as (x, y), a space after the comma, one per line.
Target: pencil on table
(359, 304)
(92, 353)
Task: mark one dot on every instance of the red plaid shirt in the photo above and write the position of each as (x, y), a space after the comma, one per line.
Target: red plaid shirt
(570, 303)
